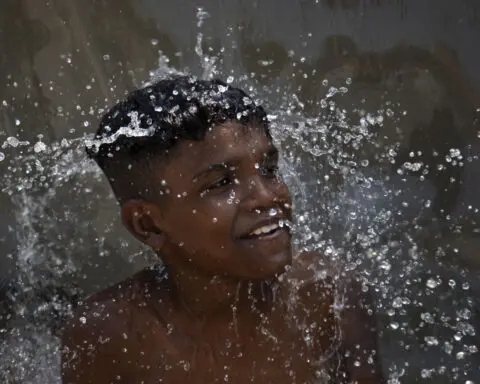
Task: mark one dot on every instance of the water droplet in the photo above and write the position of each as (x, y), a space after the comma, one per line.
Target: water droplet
(455, 152)
(394, 325)
(214, 220)
(397, 302)
(83, 320)
(432, 283)
(13, 141)
(448, 347)
(427, 317)
(464, 313)
(2, 156)
(39, 147)
(322, 274)
(272, 212)
(331, 92)
(430, 340)
(265, 63)
(426, 373)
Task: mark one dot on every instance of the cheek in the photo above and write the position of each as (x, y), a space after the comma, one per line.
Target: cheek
(215, 216)
(283, 191)
(204, 222)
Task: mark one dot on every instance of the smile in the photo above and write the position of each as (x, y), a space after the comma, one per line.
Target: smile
(269, 230)
(266, 229)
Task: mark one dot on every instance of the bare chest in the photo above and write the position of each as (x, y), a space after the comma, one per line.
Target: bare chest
(282, 352)
(291, 344)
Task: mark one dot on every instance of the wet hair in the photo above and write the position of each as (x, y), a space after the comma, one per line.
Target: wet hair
(144, 129)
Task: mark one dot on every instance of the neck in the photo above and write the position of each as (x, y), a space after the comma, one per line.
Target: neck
(204, 296)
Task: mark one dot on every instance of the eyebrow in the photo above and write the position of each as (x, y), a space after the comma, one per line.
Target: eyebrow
(272, 152)
(212, 168)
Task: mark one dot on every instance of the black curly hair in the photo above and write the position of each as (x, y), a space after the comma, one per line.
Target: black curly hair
(151, 121)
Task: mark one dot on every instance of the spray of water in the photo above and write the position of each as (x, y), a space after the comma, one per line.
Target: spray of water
(361, 218)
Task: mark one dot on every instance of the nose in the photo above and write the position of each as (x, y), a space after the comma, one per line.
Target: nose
(265, 194)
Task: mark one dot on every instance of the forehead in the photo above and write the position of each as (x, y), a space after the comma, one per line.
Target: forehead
(223, 143)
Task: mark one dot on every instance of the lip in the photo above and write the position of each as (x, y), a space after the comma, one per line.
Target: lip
(273, 236)
(265, 222)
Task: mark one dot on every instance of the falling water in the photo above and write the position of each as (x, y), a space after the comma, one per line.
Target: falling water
(348, 207)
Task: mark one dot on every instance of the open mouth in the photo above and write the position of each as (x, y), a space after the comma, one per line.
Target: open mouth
(268, 230)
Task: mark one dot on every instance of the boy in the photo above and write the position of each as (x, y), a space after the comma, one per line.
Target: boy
(195, 171)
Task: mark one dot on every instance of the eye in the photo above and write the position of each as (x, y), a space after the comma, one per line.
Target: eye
(219, 184)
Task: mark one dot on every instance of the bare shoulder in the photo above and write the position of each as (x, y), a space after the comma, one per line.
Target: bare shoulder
(342, 300)
(104, 338)
(311, 281)
(313, 266)
(311, 269)
(94, 333)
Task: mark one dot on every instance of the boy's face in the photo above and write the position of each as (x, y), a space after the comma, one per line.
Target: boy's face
(224, 205)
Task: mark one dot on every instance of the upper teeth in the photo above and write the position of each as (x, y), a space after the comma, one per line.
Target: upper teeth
(265, 229)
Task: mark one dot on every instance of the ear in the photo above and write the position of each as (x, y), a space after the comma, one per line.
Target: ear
(143, 220)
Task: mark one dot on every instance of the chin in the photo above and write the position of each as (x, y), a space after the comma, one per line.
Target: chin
(276, 266)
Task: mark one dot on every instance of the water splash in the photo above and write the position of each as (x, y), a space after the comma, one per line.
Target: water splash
(363, 218)
(208, 63)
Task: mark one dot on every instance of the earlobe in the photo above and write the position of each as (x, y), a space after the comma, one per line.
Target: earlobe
(155, 240)
(142, 219)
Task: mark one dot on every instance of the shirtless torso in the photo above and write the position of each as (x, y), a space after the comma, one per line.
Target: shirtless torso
(136, 332)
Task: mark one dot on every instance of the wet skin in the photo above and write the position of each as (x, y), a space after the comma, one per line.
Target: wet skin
(230, 305)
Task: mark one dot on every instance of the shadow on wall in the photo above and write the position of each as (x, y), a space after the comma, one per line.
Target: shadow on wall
(434, 100)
